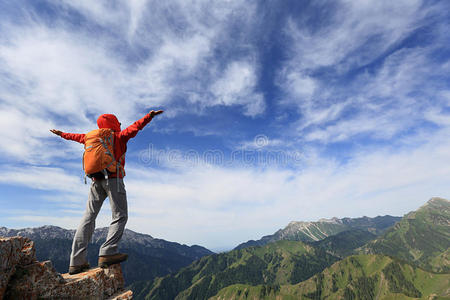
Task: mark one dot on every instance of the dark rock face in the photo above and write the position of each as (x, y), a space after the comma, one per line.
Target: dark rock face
(14, 252)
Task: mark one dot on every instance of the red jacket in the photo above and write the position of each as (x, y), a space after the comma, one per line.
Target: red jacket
(121, 137)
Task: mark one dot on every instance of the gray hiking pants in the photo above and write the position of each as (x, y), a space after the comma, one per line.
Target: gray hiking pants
(114, 189)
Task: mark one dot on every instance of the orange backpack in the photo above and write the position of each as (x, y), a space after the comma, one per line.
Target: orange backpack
(98, 154)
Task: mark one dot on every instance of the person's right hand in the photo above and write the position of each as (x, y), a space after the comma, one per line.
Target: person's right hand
(154, 113)
(57, 132)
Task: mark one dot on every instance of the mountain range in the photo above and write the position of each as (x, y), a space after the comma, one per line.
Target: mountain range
(316, 231)
(276, 263)
(422, 237)
(342, 265)
(148, 257)
(351, 258)
(355, 277)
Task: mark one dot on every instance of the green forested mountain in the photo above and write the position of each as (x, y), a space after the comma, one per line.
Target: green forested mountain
(344, 243)
(355, 277)
(316, 231)
(409, 260)
(422, 237)
(283, 262)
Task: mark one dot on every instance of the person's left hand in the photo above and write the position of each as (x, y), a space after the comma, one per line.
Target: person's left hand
(57, 132)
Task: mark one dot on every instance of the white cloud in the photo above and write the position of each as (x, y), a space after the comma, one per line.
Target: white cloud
(235, 204)
(384, 125)
(380, 103)
(242, 200)
(383, 103)
(299, 88)
(438, 117)
(370, 27)
(237, 86)
(41, 178)
(118, 15)
(137, 9)
(67, 75)
(62, 77)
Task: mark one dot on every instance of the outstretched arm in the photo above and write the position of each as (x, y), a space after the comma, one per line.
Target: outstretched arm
(77, 137)
(132, 130)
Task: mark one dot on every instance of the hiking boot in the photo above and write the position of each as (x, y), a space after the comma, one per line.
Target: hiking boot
(78, 269)
(105, 261)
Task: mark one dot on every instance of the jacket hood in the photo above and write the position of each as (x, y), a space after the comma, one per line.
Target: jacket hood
(108, 121)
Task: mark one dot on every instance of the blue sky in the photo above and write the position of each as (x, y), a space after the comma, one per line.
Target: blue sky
(274, 110)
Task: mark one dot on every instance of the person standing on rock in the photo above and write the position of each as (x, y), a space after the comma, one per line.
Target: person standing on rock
(107, 183)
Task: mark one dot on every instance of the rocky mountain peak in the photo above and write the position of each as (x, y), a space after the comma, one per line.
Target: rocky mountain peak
(333, 220)
(298, 224)
(437, 203)
(323, 228)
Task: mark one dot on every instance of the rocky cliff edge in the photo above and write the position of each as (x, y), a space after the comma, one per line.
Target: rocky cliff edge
(23, 277)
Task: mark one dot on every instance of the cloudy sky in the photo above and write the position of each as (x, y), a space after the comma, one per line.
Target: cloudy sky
(274, 111)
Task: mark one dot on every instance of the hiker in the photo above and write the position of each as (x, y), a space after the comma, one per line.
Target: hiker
(107, 183)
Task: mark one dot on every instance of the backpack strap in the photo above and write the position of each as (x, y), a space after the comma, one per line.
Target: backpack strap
(108, 140)
(119, 170)
(106, 147)
(82, 162)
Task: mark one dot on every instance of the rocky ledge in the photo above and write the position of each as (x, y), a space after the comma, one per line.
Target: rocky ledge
(23, 277)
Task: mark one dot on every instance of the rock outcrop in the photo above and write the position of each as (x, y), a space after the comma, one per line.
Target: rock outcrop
(23, 277)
